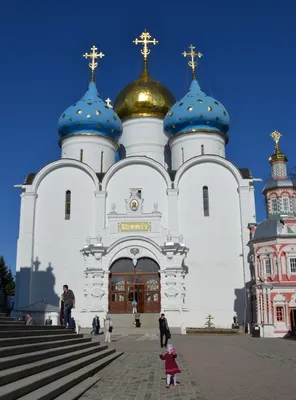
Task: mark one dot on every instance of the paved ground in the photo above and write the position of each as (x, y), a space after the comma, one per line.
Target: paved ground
(213, 368)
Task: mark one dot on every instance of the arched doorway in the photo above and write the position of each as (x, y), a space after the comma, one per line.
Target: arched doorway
(127, 282)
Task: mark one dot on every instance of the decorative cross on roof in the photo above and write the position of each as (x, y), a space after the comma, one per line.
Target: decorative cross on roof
(108, 102)
(276, 137)
(93, 64)
(192, 61)
(145, 39)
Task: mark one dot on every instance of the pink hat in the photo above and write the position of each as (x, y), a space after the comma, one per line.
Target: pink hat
(170, 348)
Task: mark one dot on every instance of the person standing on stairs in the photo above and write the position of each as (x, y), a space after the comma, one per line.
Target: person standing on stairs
(108, 329)
(96, 325)
(69, 303)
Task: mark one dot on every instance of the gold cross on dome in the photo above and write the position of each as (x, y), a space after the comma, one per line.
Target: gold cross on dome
(192, 61)
(93, 64)
(145, 39)
(276, 137)
(108, 102)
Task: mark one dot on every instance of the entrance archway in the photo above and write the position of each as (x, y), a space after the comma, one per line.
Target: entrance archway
(127, 282)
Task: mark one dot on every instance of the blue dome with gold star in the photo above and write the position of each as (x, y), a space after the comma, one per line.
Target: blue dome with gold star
(196, 112)
(90, 115)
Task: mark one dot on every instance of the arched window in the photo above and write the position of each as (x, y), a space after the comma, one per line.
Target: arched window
(202, 149)
(68, 204)
(205, 194)
(102, 161)
(286, 204)
(275, 205)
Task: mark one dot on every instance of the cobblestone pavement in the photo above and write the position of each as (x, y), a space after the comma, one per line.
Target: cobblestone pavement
(213, 368)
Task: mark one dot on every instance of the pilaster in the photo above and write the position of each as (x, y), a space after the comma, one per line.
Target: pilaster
(95, 279)
(25, 248)
(100, 211)
(173, 211)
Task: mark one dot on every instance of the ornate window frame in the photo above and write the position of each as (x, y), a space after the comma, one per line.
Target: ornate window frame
(290, 252)
(280, 301)
(264, 255)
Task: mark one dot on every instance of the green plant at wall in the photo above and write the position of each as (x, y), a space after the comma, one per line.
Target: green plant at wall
(7, 282)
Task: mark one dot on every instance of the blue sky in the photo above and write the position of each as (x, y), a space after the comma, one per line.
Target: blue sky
(249, 65)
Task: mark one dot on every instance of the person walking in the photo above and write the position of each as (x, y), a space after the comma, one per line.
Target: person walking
(69, 303)
(164, 330)
(96, 325)
(134, 304)
(171, 367)
(108, 329)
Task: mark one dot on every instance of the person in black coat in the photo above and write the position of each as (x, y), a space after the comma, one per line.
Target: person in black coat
(96, 325)
(164, 330)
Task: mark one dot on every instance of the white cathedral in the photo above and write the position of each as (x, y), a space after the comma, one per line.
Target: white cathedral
(143, 204)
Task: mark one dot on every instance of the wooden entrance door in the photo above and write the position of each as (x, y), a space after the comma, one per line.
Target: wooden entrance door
(127, 283)
(293, 321)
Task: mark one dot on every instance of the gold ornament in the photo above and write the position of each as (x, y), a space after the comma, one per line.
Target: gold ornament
(145, 39)
(192, 61)
(144, 97)
(278, 155)
(93, 64)
(276, 137)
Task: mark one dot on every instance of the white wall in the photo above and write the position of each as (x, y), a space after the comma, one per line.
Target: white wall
(144, 137)
(186, 146)
(58, 241)
(92, 147)
(215, 266)
(144, 177)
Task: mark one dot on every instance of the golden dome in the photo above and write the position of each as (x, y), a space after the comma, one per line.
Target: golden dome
(143, 98)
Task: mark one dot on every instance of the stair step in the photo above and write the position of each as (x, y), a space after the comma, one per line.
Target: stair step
(67, 382)
(12, 321)
(21, 359)
(18, 326)
(31, 347)
(24, 333)
(6, 319)
(78, 390)
(33, 339)
(32, 383)
(24, 371)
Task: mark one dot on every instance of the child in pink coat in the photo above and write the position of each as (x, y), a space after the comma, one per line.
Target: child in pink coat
(171, 367)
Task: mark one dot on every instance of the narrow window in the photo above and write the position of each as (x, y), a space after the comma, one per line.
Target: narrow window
(286, 206)
(280, 314)
(81, 155)
(293, 265)
(182, 155)
(267, 266)
(202, 150)
(68, 204)
(102, 161)
(205, 194)
(274, 205)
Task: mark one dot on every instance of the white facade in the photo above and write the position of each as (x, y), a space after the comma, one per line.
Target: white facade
(203, 260)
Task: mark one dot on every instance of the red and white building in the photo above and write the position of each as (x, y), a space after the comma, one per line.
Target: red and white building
(273, 254)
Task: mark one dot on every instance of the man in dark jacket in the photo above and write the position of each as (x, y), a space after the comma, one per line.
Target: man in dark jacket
(96, 325)
(164, 330)
(69, 302)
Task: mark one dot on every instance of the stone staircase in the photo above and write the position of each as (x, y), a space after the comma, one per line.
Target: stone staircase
(48, 362)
